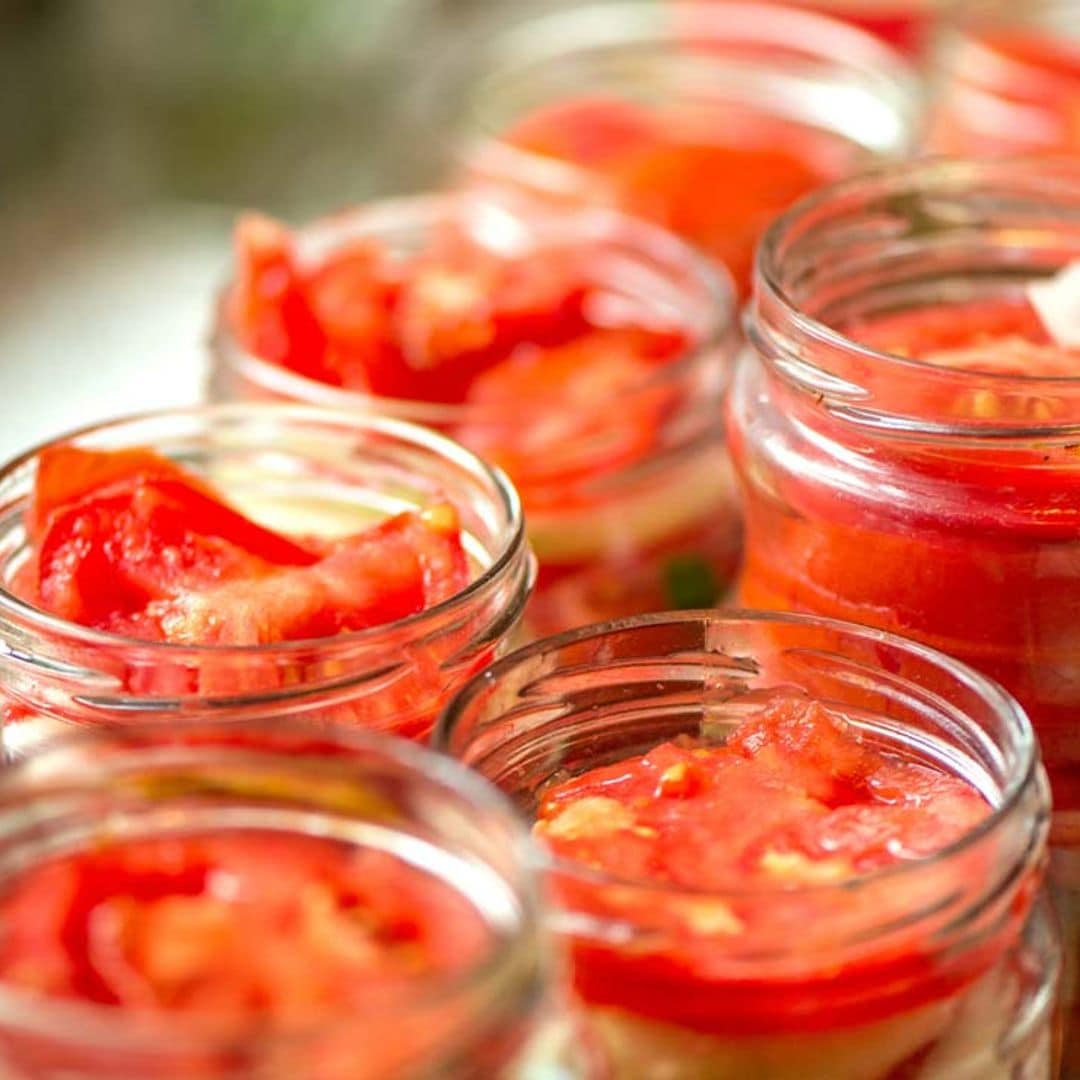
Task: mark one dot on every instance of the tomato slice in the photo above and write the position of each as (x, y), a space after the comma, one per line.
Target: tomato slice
(68, 473)
(395, 569)
(463, 310)
(943, 328)
(107, 557)
(353, 295)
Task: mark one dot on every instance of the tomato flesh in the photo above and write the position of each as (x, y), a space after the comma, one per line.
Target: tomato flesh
(531, 346)
(714, 176)
(235, 926)
(130, 543)
(714, 838)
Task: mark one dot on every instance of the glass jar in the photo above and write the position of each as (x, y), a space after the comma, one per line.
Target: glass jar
(623, 517)
(1006, 80)
(302, 470)
(973, 998)
(706, 118)
(932, 501)
(257, 791)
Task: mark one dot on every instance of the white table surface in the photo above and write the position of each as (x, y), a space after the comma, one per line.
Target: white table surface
(114, 324)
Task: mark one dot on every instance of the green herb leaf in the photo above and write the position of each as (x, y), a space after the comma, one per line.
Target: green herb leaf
(691, 582)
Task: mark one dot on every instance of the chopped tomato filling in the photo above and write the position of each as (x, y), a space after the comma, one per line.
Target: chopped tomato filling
(249, 925)
(130, 543)
(720, 853)
(796, 796)
(714, 176)
(998, 337)
(531, 342)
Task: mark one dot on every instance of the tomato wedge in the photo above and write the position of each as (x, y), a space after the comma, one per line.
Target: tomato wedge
(133, 544)
(267, 305)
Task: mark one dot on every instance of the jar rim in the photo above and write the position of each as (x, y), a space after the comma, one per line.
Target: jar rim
(800, 343)
(565, 226)
(1019, 781)
(71, 1016)
(404, 432)
(521, 46)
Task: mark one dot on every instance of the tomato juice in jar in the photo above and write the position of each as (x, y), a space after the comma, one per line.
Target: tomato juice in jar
(1006, 80)
(780, 844)
(236, 558)
(906, 431)
(706, 118)
(270, 901)
(585, 353)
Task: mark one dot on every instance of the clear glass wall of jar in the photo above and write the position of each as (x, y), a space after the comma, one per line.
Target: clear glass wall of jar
(624, 516)
(1005, 80)
(706, 118)
(169, 806)
(904, 24)
(978, 1001)
(934, 499)
(302, 470)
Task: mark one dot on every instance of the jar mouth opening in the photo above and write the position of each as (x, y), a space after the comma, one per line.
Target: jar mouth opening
(403, 432)
(762, 34)
(1019, 780)
(544, 229)
(80, 1021)
(919, 201)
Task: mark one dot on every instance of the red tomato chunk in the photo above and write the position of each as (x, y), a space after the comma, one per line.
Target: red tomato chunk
(436, 326)
(255, 925)
(530, 346)
(734, 865)
(714, 176)
(997, 337)
(129, 543)
(795, 797)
